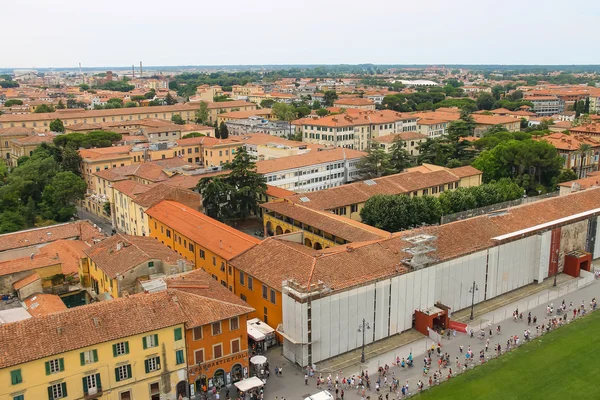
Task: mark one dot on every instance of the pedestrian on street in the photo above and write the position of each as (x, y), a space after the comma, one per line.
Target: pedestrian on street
(461, 348)
(306, 379)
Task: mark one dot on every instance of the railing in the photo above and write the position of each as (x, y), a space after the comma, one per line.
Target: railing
(494, 207)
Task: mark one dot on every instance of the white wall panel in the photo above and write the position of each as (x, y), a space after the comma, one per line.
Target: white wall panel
(352, 319)
(492, 275)
(402, 304)
(334, 332)
(410, 286)
(544, 264)
(370, 304)
(597, 243)
(317, 321)
(394, 292)
(344, 328)
(381, 315)
(417, 277)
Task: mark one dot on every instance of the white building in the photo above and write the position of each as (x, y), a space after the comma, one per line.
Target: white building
(393, 281)
(312, 171)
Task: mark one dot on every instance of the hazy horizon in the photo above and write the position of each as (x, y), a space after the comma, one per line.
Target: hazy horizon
(63, 33)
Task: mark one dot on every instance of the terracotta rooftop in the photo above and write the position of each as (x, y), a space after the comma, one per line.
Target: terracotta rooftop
(569, 142)
(359, 192)
(23, 264)
(217, 237)
(342, 267)
(278, 192)
(41, 304)
(69, 252)
(307, 159)
(354, 101)
(105, 153)
(85, 326)
(246, 114)
(345, 228)
(81, 230)
(26, 281)
(120, 253)
(400, 136)
(148, 171)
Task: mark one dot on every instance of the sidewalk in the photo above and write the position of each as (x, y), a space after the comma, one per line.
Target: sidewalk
(291, 384)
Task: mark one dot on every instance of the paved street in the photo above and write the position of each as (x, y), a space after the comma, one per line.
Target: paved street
(100, 222)
(291, 384)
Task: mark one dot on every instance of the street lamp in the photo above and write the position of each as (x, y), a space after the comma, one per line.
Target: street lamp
(362, 328)
(472, 290)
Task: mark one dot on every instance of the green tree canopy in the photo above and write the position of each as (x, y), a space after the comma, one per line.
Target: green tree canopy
(202, 113)
(176, 119)
(57, 126)
(44, 108)
(193, 135)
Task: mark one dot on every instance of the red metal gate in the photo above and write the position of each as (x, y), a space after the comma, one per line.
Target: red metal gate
(554, 251)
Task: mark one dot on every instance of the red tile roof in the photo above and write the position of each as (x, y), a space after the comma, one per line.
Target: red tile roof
(133, 251)
(217, 237)
(304, 160)
(26, 281)
(41, 304)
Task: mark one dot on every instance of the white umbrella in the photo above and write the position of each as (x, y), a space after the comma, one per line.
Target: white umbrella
(258, 360)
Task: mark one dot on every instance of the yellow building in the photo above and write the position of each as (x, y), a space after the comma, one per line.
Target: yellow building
(7, 135)
(115, 265)
(133, 199)
(410, 141)
(124, 349)
(24, 147)
(208, 243)
(320, 229)
(264, 113)
(187, 111)
(348, 200)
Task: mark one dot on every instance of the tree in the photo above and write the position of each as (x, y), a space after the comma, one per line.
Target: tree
(283, 112)
(529, 162)
(566, 175)
(202, 113)
(497, 91)
(586, 107)
(71, 160)
(44, 108)
(485, 101)
(399, 159)
(119, 86)
(237, 194)
(91, 139)
(57, 126)
(150, 95)
(515, 95)
(329, 97)
(321, 112)
(316, 105)
(131, 104)
(374, 165)
(13, 102)
(302, 111)
(60, 195)
(84, 87)
(169, 100)
(193, 135)
(61, 105)
(223, 131)
(217, 131)
(267, 103)
(176, 119)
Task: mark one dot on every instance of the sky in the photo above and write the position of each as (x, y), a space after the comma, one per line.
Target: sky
(63, 33)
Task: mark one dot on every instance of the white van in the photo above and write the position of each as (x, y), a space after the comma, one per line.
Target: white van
(324, 395)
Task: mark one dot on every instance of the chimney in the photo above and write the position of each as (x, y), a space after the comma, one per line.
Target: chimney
(119, 245)
(96, 322)
(220, 244)
(31, 256)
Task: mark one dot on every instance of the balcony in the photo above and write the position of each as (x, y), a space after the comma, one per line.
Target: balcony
(93, 393)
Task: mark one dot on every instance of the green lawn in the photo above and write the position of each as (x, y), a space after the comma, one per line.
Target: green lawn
(564, 364)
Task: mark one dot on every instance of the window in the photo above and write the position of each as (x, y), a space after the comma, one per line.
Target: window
(241, 278)
(222, 266)
(125, 395)
(243, 297)
(123, 372)
(150, 264)
(234, 324)
(265, 292)
(199, 356)
(217, 351)
(202, 254)
(179, 358)
(178, 334)
(168, 233)
(214, 261)
(235, 346)
(55, 366)
(197, 333)
(19, 397)
(88, 357)
(150, 341)
(57, 391)
(16, 377)
(152, 364)
(91, 384)
(353, 208)
(250, 283)
(120, 348)
(273, 296)
(216, 328)
(191, 247)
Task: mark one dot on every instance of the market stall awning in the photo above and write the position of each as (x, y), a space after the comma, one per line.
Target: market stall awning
(255, 334)
(249, 384)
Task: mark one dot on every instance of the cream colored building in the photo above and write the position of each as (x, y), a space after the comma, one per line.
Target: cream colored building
(410, 141)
